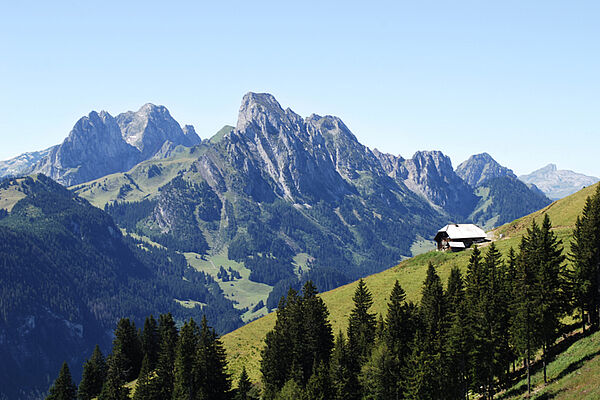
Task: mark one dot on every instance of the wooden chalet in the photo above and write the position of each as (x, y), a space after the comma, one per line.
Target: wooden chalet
(457, 237)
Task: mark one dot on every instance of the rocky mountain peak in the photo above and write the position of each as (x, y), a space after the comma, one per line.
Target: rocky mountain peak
(430, 174)
(557, 183)
(149, 128)
(191, 135)
(264, 111)
(481, 167)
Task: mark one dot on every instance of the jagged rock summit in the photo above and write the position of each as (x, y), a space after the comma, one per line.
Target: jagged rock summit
(481, 167)
(556, 183)
(100, 144)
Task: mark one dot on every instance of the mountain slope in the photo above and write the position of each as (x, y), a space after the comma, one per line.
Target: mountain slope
(556, 183)
(244, 344)
(68, 275)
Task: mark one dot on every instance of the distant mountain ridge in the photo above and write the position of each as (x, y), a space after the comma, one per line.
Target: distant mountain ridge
(556, 183)
(481, 167)
(100, 144)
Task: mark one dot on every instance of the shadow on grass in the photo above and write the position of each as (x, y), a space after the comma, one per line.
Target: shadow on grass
(537, 366)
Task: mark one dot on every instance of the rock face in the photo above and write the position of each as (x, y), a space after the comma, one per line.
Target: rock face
(22, 164)
(150, 127)
(557, 183)
(101, 144)
(430, 173)
(481, 167)
(94, 148)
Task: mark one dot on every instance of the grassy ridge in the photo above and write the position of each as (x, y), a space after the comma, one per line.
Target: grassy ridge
(244, 344)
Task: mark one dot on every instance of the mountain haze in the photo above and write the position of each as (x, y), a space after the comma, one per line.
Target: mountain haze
(556, 183)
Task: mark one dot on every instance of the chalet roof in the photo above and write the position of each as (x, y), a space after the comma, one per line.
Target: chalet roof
(462, 231)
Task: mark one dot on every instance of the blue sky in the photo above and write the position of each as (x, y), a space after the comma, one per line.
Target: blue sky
(518, 79)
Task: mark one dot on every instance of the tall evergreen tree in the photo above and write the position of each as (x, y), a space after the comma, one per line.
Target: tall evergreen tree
(165, 364)
(361, 323)
(145, 387)
(458, 338)
(150, 341)
(127, 343)
(114, 385)
(430, 349)
(185, 384)
(585, 254)
(281, 351)
(398, 335)
(549, 287)
(317, 343)
(210, 367)
(63, 387)
(524, 318)
(94, 374)
(244, 386)
(319, 384)
(344, 382)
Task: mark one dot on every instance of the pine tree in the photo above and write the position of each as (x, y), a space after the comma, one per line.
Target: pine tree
(63, 387)
(244, 386)
(398, 335)
(280, 354)
(94, 374)
(127, 343)
(185, 384)
(292, 390)
(210, 367)
(378, 376)
(549, 287)
(317, 342)
(146, 388)
(458, 337)
(524, 318)
(584, 280)
(319, 384)
(114, 385)
(344, 383)
(361, 324)
(430, 350)
(166, 357)
(422, 374)
(150, 341)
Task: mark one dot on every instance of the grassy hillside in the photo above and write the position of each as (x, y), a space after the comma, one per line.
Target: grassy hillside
(244, 344)
(574, 374)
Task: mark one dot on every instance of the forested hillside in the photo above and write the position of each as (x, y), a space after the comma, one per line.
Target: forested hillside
(69, 274)
(244, 345)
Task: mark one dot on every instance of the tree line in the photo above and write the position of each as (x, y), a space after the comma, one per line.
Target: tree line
(168, 363)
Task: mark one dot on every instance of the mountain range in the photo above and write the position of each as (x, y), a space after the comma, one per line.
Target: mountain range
(257, 208)
(556, 183)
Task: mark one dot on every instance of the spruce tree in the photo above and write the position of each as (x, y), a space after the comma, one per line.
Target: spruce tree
(525, 325)
(361, 324)
(165, 364)
(94, 374)
(584, 279)
(279, 355)
(344, 382)
(150, 341)
(430, 351)
(378, 376)
(127, 343)
(185, 384)
(317, 342)
(398, 335)
(63, 387)
(319, 384)
(146, 388)
(244, 386)
(549, 287)
(210, 366)
(458, 337)
(114, 385)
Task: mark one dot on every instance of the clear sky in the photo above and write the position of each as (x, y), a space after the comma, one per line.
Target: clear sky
(518, 79)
